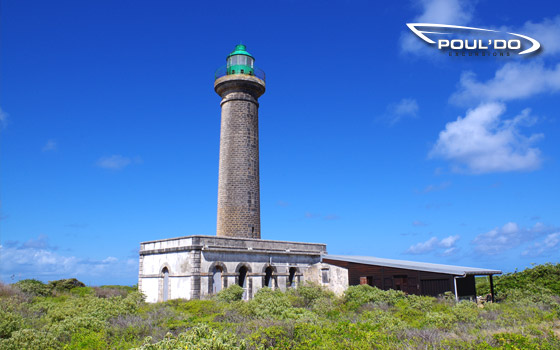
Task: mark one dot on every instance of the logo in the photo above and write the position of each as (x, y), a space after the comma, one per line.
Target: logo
(459, 38)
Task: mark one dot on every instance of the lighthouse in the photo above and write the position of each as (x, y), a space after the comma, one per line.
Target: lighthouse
(198, 266)
(239, 84)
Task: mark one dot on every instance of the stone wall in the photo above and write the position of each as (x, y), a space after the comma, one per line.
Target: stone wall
(334, 278)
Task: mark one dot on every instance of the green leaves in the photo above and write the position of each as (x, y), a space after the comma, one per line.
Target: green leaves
(538, 279)
(356, 296)
(309, 317)
(230, 294)
(201, 337)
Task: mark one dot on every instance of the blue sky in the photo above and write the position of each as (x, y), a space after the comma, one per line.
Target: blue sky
(370, 141)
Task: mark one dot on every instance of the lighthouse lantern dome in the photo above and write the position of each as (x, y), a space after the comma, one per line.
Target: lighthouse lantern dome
(239, 61)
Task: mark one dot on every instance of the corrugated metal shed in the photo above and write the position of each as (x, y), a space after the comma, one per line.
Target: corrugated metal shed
(414, 265)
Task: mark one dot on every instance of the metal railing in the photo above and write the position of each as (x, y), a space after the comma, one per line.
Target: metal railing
(222, 71)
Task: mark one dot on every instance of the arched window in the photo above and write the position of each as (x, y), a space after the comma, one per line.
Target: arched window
(165, 292)
(268, 277)
(292, 277)
(243, 270)
(242, 277)
(217, 279)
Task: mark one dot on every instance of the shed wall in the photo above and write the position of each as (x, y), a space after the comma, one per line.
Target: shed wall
(409, 281)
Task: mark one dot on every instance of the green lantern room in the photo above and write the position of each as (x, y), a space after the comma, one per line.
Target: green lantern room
(240, 61)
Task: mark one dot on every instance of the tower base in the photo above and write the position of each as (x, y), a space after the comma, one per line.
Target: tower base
(197, 267)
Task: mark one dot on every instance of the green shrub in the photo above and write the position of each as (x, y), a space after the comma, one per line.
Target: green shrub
(465, 311)
(419, 302)
(67, 328)
(269, 303)
(298, 314)
(127, 289)
(534, 279)
(535, 296)
(88, 339)
(515, 341)
(201, 337)
(440, 320)
(30, 339)
(273, 337)
(195, 311)
(306, 294)
(82, 291)
(383, 320)
(236, 312)
(65, 285)
(9, 322)
(356, 296)
(33, 287)
(55, 310)
(325, 307)
(133, 328)
(231, 293)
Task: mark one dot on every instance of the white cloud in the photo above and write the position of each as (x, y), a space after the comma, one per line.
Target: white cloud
(407, 107)
(418, 223)
(454, 12)
(551, 244)
(546, 32)
(37, 259)
(449, 251)
(116, 162)
(423, 247)
(512, 81)
(449, 242)
(482, 143)
(51, 145)
(445, 246)
(509, 236)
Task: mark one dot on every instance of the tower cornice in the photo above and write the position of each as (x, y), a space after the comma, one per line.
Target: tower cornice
(239, 83)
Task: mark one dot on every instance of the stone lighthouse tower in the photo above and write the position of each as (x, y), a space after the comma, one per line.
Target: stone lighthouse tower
(239, 84)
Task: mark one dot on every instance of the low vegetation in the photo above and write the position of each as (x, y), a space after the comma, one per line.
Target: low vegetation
(538, 279)
(66, 314)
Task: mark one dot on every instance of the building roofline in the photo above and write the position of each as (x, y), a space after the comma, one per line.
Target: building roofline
(228, 238)
(412, 265)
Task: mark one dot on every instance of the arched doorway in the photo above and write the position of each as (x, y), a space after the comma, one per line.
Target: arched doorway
(217, 279)
(165, 286)
(268, 277)
(242, 280)
(292, 277)
(242, 277)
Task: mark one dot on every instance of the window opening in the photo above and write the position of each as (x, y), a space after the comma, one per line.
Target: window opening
(165, 293)
(268, 277)
(292, 276)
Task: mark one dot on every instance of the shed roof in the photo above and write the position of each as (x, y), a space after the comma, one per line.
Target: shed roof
(414, 265)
